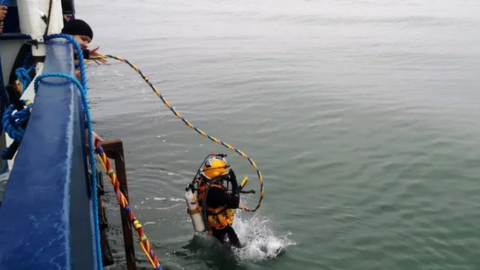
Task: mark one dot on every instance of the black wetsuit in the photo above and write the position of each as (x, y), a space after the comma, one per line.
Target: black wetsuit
(217, 197)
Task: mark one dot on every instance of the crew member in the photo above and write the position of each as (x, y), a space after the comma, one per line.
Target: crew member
(83, 34)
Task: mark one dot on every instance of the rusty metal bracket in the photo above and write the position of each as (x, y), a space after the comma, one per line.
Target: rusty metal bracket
(114, 150)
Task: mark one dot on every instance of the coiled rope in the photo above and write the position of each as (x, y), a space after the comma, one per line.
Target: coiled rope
(199, 131)
(12, 122)
(142, 238)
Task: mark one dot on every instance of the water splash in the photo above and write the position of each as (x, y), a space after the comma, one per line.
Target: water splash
(257, 234)
(259, 239)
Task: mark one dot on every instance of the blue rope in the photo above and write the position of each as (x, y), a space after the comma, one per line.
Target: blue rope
(83, 91)
(83, 74)
(5, 3)
(8, 121)
(23, 73)
(12, 123)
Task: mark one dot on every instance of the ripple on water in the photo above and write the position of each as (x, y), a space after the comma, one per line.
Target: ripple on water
(364, 124)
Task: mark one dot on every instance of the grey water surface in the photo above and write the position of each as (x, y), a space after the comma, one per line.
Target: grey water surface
(363, 117)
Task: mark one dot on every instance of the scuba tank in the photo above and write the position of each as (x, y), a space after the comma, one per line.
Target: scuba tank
(193, 209)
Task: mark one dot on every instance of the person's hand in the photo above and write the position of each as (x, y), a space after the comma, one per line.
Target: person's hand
(96, 138)
(3, 12)
(1, 27)
(94, 53)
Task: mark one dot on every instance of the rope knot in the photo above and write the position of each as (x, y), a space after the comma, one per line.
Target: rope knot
(13, 121)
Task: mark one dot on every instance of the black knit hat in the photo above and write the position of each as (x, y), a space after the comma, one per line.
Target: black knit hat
(67, 6)
(77, 27)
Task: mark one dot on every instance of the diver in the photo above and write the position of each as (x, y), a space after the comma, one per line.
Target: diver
(220, 202)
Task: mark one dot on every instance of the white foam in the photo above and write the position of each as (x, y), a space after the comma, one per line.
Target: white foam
(259, 239)
(168, 207)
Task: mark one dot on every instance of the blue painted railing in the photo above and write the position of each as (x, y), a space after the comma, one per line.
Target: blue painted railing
(46, 215)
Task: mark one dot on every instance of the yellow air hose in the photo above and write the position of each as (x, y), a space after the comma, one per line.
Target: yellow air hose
(199, 131)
